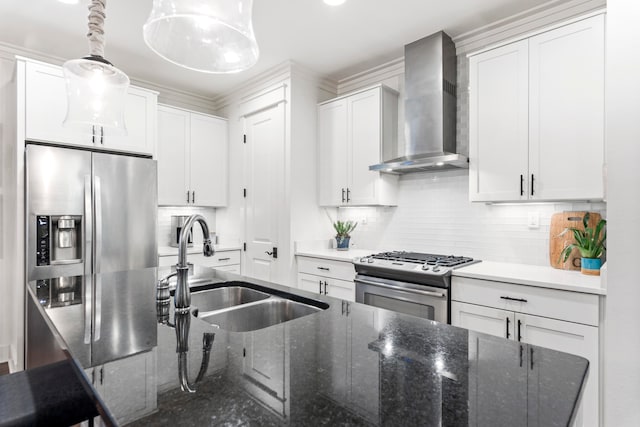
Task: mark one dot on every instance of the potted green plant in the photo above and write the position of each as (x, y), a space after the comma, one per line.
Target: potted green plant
(343, 230)
(590, 243)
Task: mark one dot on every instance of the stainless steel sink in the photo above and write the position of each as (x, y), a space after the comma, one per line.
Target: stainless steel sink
(259, 315)
(229, 296)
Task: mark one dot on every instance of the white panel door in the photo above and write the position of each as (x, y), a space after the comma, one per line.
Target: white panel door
(208, 160)
(332, 153)
(573, 338)
(566, 121)
(264, 177)
(46, 107)
(364, 148)
(173, 137)
(483, 319)
(140, 120)
(341, 289)
(498, 123)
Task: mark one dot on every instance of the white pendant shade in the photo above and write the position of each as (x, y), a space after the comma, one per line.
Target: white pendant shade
(211, 36)
(96, 94)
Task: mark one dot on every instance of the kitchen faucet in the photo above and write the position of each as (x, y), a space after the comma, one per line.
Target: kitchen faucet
(182, 298)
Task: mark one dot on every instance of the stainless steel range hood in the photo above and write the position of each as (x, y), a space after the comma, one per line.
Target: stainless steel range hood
(430, 109)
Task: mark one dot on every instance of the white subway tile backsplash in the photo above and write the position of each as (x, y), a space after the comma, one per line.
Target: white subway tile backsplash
(435, 215)
(164, 222)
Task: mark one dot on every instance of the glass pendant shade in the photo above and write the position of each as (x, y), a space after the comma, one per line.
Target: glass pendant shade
(211, 36)
(96, 93)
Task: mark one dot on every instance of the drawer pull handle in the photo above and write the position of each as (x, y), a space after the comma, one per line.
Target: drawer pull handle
(325, 288)
(224, 259)
(514, 299)
(508, 322)
(320, 287)
(323, 268)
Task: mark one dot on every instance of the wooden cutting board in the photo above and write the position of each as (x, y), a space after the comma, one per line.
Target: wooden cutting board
(560, 221)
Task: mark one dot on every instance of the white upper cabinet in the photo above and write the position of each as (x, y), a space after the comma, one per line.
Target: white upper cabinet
(46, 107)
(192, 158)
(350, 136)
(498, 122)
(536, 117)
(566, 118)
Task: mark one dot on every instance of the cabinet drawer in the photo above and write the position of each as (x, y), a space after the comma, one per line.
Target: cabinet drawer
(230, 268)
(218, 259)
(564, 305)
(327, 268)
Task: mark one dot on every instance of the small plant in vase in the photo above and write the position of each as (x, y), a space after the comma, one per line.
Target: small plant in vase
(343, 230)
(589, 243)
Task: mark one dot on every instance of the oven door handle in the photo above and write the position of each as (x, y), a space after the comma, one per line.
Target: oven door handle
(400, 288)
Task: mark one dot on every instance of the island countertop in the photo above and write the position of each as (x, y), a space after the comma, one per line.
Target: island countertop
(349, 364)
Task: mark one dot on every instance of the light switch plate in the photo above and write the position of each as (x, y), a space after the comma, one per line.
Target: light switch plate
(533, 220)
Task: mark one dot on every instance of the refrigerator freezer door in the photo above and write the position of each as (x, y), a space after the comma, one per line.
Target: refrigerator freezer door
(55, 187)
(125, 202)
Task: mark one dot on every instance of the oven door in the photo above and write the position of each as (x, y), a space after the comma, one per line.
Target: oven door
(408, 298)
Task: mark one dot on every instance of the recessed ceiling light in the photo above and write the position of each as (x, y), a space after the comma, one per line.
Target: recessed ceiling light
(334, 2)
(69, 1)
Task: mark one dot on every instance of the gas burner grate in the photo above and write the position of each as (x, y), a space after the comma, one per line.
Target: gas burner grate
(420, 258)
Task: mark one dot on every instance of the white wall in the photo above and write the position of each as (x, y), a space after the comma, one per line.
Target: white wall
(434, 215)
(622, 331)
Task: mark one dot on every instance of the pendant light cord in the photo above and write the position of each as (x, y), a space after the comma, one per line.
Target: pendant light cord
(96, 27)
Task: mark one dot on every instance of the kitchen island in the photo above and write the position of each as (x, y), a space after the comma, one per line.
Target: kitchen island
(346, 364)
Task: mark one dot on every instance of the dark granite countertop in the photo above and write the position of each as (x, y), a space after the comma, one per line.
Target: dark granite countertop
(350, 364)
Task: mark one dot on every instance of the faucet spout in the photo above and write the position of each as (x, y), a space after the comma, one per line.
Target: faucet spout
(182, 299)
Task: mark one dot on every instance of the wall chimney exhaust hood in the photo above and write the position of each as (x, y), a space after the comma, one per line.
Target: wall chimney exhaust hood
(430, 109)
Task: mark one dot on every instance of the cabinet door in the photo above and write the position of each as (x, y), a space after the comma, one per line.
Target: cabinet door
(498, 123)
(128, 386)
(364, 148)
(140, 120)
(566, 115)
(365, 364)
(483, 319)
(46, 107)
(173, 136)
(333, 349)
(333, 153)
(573, 338)
(208, 160)
(340, 289)
(266, 367)
(310, 283)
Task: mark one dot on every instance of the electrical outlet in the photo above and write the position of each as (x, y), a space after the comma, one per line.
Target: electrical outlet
(363, 221)
(533, 220)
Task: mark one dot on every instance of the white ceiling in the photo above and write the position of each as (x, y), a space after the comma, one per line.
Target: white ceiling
(333, 41)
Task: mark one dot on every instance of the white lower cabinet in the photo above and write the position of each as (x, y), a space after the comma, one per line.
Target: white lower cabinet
(223, 260)
(128, 386)
(349, 371)
(327, 277)
(511, 315)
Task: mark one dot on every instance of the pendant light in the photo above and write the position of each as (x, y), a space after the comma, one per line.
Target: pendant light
(96, 90)
(211, 36)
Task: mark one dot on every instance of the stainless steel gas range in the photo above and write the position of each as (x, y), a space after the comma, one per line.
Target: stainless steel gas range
(408, 282)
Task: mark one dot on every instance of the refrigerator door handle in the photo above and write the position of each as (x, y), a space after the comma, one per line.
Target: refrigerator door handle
(87, 295)
(88, 220)
(98, 309)
(98, 215)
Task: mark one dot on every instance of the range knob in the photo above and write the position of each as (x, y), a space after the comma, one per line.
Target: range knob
(435, 269)
(370, 260)
(425, 267)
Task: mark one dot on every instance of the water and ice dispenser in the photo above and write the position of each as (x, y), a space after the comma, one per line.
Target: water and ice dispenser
(59, 239)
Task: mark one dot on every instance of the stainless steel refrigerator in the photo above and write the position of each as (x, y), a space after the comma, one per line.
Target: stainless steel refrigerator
(89, 212)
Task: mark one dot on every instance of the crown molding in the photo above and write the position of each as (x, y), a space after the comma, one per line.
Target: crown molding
(371, 76)
(166, 95)
(521, 24)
